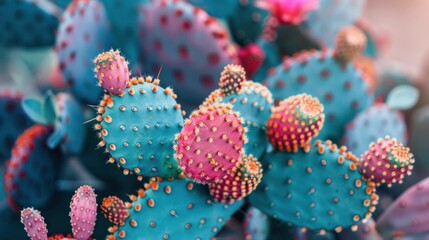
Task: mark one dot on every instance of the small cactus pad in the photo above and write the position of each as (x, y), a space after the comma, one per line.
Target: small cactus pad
(30, 176)
(156, 212)
(386, 161)
(377, 120)
(138, 128)
(210, 143)
(408, 215)
(13, 121)
(34, 224)
(349, 43)
(191, 47)
(295, 122)
(338, 86)
(251, 58)
(113, 208)
(319, 187)
(232, 79)
(239, 183)
(83, 212)
(291, 11)
(82, 34)
(111, 69)
(254, 104)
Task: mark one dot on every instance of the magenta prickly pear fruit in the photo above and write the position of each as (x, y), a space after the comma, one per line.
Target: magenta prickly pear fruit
(114, 209)
(210, 143)
(295, 122)
(387, 161)
(232, 79)
(34, 224)
(349, 43)
(243, 179)
(290, 11)
(111, 69)
(408, 215)
(83, 212)
(251, 58)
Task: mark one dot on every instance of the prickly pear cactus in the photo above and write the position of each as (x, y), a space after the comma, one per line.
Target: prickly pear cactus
(83, 33)
(339, 87)
(28, 23)
(377, 120)
(34, 224)
(219, 9)
(256, 225)
(13, 121)
(408, 215)
(319, 188)
(83, 212)
(138, 128)
(156, 214)
(191, 63)
(252, 100)
(31, 172)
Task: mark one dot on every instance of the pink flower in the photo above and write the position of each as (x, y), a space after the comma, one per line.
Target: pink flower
(289, 11)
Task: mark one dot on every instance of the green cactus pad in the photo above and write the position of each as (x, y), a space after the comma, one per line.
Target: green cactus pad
(319, 188)
(139, 126)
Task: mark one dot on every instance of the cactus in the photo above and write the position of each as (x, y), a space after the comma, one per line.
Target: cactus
(31, 172)
(243, 179)
(295, 122)
(251, 58)
(112, 72)
(252, 100)
(418, 132)
(338, 86)
(82, 34)
(13, 121)
(387, 161)
(28, 24)
(365, 231)
(139, 126)
(319, 187)
(256, 225)
(34, 224)
(289, 12)
(218, 126)
(83, 212)
(349, 43)
(156, 214)
(114, 210)
(407, 215)
(191, 63)
(219, 9)
(389, 79)
(377, 120)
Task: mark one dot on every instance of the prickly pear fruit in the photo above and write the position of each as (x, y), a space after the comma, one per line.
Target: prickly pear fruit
(83, 212)
(113, 208)
(34, 224)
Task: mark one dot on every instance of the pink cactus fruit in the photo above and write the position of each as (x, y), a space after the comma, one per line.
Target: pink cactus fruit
(83, 212)
(111, 69)
(291, 12)
(113, 208)
(251, 58)
(210, 143)
(387, 161)
(232, 79)
(240, 182)
(294, 122)
(34, 224)
(349, 43)
(408, 215)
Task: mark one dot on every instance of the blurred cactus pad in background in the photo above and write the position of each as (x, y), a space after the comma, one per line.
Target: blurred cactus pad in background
(204, 119)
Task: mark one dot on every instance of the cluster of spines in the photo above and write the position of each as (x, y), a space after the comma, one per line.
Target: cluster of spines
(83, 212)
(34, 224)
(207, 151)
(114, 209)
(232, 79)
(240, 182)
(294, 122)
(108, 102)
(349, 43)
(386, 162)
(112, 71)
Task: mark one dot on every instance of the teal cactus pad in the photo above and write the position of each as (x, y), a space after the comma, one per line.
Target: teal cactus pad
(175, 209)
(332, 15)
(272, 59)
(375, 122)
(254, 104)
(340, 88)
(139, 127)
(319, 188)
